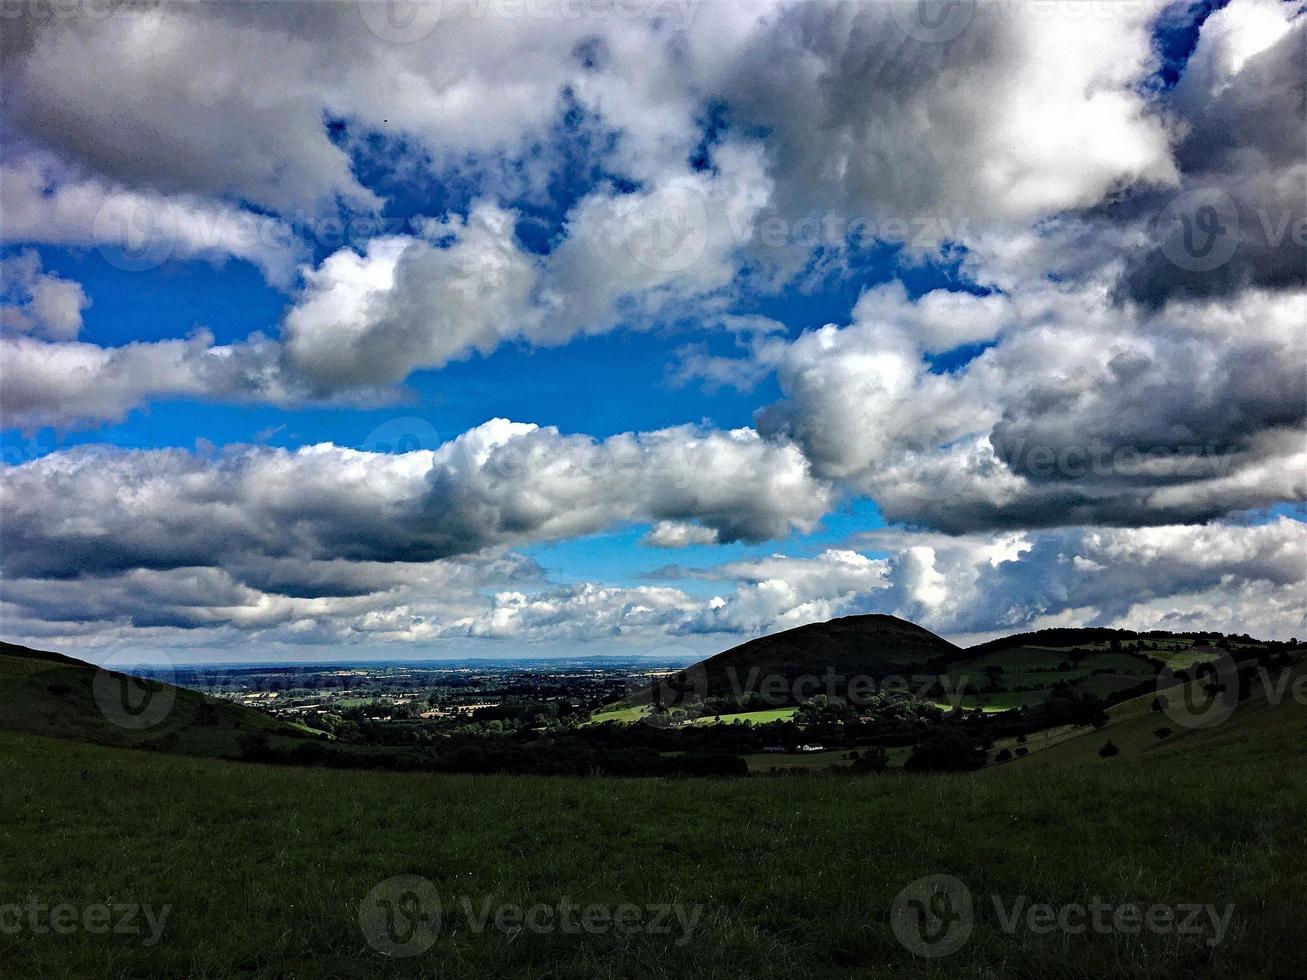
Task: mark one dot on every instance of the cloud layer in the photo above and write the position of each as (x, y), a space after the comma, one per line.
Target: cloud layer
(1094, 410)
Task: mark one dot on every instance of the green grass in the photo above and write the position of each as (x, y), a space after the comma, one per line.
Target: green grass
(265, 868)
(68, 699)
(622, 713)
(765, 762)
(763, 717)
(1183, 659)
(1133, 726)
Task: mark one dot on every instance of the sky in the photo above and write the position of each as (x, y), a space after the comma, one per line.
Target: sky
(537, 327)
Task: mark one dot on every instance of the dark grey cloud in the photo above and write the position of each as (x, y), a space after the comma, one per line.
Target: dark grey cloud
(1240, 218)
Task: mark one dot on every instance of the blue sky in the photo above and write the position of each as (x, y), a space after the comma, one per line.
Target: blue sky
(758, 423)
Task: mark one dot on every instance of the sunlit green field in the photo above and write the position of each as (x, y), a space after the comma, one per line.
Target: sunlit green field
(756, 717)
(622, 713)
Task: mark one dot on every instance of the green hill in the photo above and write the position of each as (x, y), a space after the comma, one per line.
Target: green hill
(800, 660)
(46, 693)
(1140, 728)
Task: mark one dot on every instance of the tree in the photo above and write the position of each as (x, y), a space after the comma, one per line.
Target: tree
(1109, 749)
(1162, 732)
(1004, 755)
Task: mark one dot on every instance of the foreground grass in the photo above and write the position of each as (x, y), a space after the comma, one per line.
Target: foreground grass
(265, 868)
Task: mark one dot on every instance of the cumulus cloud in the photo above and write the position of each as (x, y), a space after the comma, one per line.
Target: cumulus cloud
(833, 106)
(1241, 220)
(34, 301)
(1000, 113)
(1078, 411)
(100, 510)
(1120, 376)
(137, 230)
(468, 285)
(1223, 576)
(678, 534)
(66, 383)
(369, 320)
(780, 592)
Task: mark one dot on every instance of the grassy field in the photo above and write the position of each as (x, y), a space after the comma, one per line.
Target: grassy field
(1037, 669)
(1134, 728)
(627, 713)
(622, 713)
(254, 870)
(266, 868)
(756, 717)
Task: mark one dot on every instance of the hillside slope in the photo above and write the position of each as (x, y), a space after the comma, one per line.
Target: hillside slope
(1268, 712)
(46, 693)
(873, 646)
(265, 869)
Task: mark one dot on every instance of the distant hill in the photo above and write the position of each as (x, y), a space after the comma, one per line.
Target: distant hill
(873, 646)
(1008, 672)
(45, 693)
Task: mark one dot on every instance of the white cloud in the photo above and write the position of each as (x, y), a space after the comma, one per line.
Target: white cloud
(137, 229)
(33, 301)
(1080, 411)
(678, 534)
(500, 483)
